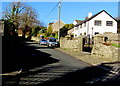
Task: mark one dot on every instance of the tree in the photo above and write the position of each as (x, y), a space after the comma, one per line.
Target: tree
(64, 29)
(43, 29)
(49, 30)
(8, 29)
(13, 12)
(21, 15)
(36, 30)
(29, 18)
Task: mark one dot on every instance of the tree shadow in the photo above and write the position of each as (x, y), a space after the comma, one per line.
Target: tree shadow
(17, 55)
(90, 76)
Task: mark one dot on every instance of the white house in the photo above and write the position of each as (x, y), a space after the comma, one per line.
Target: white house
(75, 22)
(97, 24)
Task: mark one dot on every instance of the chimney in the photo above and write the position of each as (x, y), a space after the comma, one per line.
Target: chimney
(89, 15)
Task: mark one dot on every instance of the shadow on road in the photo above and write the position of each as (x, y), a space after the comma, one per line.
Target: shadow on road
(89, 76)
(17, 55)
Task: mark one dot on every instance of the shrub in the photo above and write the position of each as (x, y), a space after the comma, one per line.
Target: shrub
(115, 45)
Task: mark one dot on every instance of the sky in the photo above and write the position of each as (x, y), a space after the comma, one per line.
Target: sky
(70, 11)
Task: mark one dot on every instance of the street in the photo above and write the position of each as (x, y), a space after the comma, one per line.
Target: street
(50, 67)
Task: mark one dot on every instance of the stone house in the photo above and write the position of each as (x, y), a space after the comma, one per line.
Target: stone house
(96, 24)
(55, 26)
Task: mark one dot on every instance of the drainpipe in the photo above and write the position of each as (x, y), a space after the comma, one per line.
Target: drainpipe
(88, 36)
(92, 36)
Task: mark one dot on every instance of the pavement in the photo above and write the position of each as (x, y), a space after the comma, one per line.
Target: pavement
(86, 57)
(113, 67)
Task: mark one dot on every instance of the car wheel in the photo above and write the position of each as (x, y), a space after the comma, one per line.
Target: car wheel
(49, 45)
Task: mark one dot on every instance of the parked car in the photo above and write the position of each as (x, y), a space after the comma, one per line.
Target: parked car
(43, 42)
(52, 42)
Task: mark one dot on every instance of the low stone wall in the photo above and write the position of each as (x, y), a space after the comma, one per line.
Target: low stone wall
(113, 38)
(35, 38)
(107, 52)
(69, 44)
(73, 45)
(104, 49)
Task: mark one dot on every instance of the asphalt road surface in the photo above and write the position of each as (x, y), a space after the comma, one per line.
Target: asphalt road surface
(55, 68)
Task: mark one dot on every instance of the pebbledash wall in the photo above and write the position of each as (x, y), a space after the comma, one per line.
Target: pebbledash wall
(104, 48)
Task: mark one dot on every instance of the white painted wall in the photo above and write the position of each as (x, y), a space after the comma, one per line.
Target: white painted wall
(74, 22)
(101, 29)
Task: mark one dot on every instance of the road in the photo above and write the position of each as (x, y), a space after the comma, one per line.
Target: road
(64, 59)
(65, 70)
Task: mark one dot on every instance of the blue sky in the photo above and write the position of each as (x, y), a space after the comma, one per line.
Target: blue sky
(70, 11)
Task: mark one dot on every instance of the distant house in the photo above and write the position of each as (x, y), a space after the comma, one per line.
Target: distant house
(75, 22)
(96, 24)
(55, 26)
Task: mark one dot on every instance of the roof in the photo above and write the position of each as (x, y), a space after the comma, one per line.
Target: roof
(51, 23)
(94, 16)
(79, 21)
(58, 21)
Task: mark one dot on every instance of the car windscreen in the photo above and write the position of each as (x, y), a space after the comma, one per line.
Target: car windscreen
(43, 40)
(52, 40)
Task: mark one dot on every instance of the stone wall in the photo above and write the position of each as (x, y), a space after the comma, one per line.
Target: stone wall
(35, 38)
(104, 49)
(113, 38)
(73, 45)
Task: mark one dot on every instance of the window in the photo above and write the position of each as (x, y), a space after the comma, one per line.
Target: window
(96, 33)
(97, 23)
(109, 23)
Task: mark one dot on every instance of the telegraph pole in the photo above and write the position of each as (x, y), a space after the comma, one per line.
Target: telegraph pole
(59, 11)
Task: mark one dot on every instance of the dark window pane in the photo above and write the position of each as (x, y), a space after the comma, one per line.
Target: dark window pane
(97, 23)
(109, 23)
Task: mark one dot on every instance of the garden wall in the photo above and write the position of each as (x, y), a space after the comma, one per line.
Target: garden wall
(106, 49)
(73, 45)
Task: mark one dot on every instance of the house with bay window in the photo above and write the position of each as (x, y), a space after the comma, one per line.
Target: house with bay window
(96, 24)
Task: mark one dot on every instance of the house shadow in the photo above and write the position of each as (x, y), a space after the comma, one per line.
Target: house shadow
(17, 55)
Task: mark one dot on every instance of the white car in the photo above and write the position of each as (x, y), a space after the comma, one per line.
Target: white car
(43, 42)
(51, 42)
